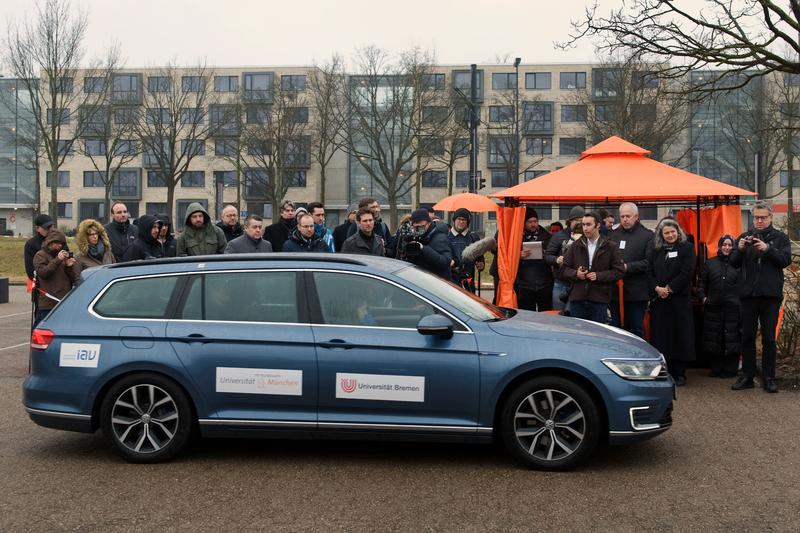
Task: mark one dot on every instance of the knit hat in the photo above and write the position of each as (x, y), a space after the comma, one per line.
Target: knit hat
(420, 215)
(352, 208)
(462, 212)
(43, 221)
(576, 212)
(530, 212)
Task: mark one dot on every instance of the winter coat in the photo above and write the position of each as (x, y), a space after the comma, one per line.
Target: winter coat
(340, 233)
(719, 289)
(358, 244)
(558, 246)
(671, 318)
(245, 245)
(278, 233)
(298, 243)
(458, 243)
(381, 229)
(607, 263)
(146, 247)
(53, 275)
(326, 235)
(88, 256)
(762, 273)
(170, 244)
(206, 240)
(121, 236)
(32, 246)
(535, 274)
(436, 254)
(231, 232)
(634, 244)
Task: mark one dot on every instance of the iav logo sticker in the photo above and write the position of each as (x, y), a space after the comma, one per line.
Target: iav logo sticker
(79, 355)
(380, 387)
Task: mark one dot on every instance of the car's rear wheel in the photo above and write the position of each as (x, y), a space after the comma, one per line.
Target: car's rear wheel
(550, 423)
(147, 418)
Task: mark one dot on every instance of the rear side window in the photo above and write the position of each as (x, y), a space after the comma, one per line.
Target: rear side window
(137, 298)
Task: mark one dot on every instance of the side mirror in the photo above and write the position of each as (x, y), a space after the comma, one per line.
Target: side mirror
(436, 325)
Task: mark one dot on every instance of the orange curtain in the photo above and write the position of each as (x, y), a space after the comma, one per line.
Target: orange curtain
(714, 223)
(510, 223)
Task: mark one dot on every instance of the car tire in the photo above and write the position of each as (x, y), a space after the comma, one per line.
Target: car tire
(147, 417)
(550, 423)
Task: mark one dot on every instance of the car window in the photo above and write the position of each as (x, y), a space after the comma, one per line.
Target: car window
(193, 304)
(354, 300)
(248, 297)
(137, 298)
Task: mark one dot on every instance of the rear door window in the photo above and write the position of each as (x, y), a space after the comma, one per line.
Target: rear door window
(137, 298)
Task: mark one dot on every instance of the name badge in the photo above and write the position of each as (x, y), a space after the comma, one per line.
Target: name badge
(621, 245)
(672, 255)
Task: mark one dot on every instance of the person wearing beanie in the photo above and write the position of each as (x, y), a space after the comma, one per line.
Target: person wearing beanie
(340, 231)
(534, 283)
(430, 249)
(56, 273)
(554, 256)
(460, 237)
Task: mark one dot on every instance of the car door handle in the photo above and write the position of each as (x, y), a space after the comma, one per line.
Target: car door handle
(336, 343)
(194, 337)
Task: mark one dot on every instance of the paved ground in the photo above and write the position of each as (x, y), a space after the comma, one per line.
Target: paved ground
(731, 462)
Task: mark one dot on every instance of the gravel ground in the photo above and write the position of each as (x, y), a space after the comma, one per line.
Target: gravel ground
(730, 462)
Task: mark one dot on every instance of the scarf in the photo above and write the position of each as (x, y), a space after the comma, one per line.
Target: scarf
(97, 251)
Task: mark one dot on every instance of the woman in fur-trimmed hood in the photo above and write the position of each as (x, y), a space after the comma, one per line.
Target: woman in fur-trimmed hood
(94, 246)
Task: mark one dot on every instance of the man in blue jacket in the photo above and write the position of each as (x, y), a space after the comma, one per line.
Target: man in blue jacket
(430, 249)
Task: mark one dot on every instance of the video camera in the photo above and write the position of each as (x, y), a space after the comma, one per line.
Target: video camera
(409, 244)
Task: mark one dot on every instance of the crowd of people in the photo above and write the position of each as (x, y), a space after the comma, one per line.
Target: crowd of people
(573, 268)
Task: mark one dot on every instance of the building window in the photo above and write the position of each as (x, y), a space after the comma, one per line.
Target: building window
(93, 84)
(573, 113)
(501, 113)
(538, 80)
(434, 178)
(462, 81)
(155, 179)
(784, 178)
(59, 116)
(126, 147)
(790, 111)
(226, 84)
(259, 148)
(499, 149)
(572, 80)
(63, 178)
(435, 114)
(159, 115)
(64, 209)
(193, 147)
(94, 178)
(126, 115)
(193, 178)
(257, 114)
(256, 181)
(604, 113)
(65, 147)
(95, 147)
(126, 183)
(434, 81)
(193, 84)
(94, 209)
(192, 115)
(297, 115)
(294, 177)
(643, 112)
(539, 146)
(646, 79)
(258, 86)
(159, 84)
(532, 175)
(94, 120)
(462, 178)
(538, 117)
(64, 86)
(153, 153)
(791, 79)
(500, 178)
(224, 119)
(606, 82)
(226, 177)
(293, 82)
(571, 145)
(155, 208)
(430, 146)
(228, 147)
(125, 88)
(504, 80)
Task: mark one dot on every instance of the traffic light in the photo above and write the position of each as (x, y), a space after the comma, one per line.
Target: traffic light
(481, 181)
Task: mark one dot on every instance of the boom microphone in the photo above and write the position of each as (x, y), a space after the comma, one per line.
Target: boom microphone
(478, 248)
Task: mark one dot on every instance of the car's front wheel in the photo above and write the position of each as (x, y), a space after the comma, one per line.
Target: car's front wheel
(147, 418)
(550, 423)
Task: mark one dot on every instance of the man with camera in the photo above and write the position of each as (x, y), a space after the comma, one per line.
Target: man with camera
(425, 246)
(55, 273)
(762, 253)
(460, 237)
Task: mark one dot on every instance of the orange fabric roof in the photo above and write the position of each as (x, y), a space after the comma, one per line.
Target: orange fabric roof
(616, 171)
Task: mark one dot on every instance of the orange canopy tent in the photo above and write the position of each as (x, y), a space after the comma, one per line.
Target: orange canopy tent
(612, 171)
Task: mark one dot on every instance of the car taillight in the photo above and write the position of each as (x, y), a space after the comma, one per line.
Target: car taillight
(41, 338)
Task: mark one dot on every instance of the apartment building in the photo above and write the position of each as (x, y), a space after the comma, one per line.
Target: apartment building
(17, 159)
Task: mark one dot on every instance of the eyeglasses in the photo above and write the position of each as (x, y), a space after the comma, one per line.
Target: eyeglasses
(306, 226)
(91, 234)
(765, 217)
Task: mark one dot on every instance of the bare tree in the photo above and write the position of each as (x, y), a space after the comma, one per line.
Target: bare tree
(275, 145)
(749, 38)
(326, 86)
(45, 52)
(175, 124)
(445, 135)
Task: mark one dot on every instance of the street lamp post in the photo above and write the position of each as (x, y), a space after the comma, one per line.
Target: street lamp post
(515, 179)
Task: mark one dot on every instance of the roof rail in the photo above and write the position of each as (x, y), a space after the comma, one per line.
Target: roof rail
(225, 258)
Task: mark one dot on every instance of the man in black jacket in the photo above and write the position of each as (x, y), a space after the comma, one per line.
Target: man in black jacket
(460, 237)
(43, 225)
(278, 233)
(120, 231)
(381, 228)
(229, 223)
(431, 249)
(251, 242)
(534, 284)
(633, 240)
(762, 253)
(364, 242)
(554, 255)
(340, 231)
(147, 246)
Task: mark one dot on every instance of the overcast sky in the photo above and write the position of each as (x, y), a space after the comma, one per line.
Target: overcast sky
(300, 32)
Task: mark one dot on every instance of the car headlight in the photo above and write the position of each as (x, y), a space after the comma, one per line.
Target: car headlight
(637, 369)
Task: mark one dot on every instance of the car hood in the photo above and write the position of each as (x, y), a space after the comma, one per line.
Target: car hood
(547, 327)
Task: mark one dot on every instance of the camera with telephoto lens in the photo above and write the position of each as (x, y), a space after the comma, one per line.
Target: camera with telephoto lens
(409, 244)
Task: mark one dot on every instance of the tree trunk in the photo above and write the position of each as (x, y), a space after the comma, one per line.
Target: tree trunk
(322, 184)
(418, 184)
(392, 197)
(450, 180)
(107, 199)
(171, 201)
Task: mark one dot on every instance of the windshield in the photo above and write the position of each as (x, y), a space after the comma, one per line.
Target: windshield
(464, 301)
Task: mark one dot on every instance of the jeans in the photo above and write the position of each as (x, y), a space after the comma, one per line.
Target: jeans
(594, 311)
(559, 288)
(39, 315)
(634, 317)
(755, 311)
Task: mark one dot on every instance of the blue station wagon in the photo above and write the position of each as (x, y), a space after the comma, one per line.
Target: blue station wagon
(299, 345)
